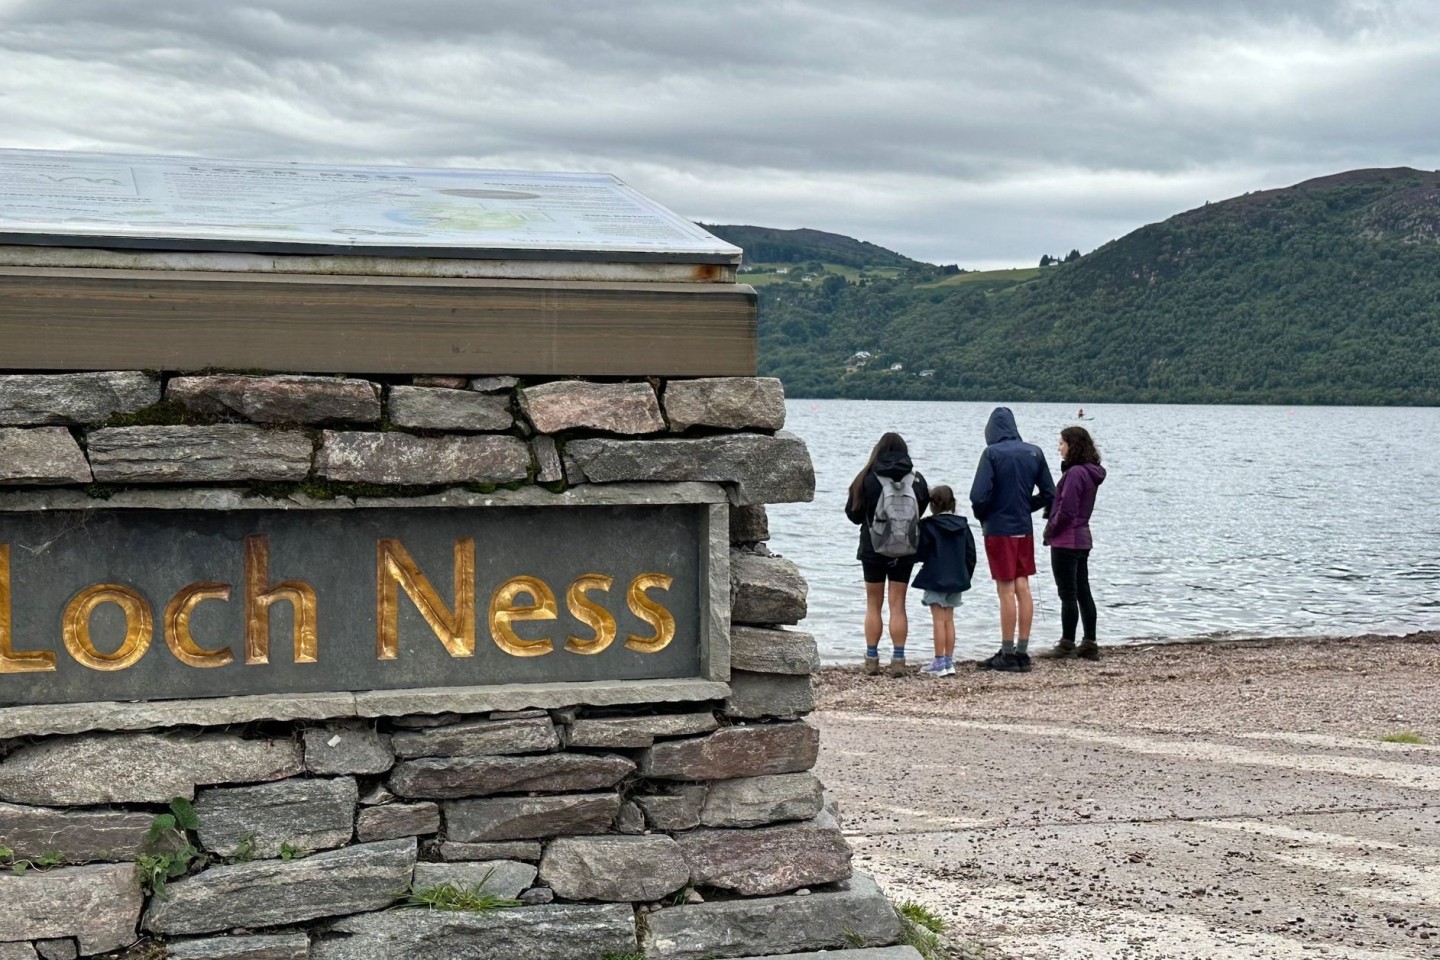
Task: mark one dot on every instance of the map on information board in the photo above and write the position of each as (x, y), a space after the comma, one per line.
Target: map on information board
(188, 203)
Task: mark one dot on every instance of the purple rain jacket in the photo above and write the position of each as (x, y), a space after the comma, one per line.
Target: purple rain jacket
(1069, 523)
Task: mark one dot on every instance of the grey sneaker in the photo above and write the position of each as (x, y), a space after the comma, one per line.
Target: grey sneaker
(872, 666)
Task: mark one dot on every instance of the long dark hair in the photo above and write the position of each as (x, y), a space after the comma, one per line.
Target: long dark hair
(889, 443)
(1081, 446)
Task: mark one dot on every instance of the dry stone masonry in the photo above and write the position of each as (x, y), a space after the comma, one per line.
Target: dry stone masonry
(680, 827)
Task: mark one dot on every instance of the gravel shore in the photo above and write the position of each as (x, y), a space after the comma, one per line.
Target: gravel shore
(1232, 800)
(1364, 686)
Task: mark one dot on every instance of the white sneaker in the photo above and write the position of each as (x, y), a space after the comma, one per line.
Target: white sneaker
(946, 671)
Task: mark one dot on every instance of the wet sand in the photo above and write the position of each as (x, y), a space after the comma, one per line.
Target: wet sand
(1210, 799)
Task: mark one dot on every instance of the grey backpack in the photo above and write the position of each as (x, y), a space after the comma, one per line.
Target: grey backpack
(895, 531)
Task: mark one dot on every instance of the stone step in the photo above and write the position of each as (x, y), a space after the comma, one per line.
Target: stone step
(855, 912)
(864, 953)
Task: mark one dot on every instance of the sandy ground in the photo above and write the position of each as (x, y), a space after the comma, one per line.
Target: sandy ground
(1206, 800)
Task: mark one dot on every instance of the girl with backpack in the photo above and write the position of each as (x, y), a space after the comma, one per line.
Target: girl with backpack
(886, 500)
(947, 550)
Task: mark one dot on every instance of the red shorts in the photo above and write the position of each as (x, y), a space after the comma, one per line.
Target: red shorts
(1011, 557)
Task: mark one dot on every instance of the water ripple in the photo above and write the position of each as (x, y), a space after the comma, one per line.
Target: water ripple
(1214, 521)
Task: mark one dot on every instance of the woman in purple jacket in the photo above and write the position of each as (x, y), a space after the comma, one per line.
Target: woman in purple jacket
(1068, 534)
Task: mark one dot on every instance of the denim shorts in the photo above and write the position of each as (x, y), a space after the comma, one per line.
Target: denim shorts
(934, 598)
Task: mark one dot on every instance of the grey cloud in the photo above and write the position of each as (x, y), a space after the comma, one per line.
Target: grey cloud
(948, 131)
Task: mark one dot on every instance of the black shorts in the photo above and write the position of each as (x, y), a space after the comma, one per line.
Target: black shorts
(880, 569)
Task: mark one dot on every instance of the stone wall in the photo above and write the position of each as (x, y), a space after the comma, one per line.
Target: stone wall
(674, 830)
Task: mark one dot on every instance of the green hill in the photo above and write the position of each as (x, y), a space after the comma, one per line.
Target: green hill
(763, 245)
(1324, 292)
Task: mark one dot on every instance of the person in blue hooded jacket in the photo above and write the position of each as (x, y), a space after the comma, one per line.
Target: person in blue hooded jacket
(1012, 481)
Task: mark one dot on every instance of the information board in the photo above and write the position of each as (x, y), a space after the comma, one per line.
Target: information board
(188, 203)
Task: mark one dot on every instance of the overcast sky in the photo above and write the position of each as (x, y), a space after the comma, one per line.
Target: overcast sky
(983, 134)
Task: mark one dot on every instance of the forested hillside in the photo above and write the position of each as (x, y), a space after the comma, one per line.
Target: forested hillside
(1325, 292)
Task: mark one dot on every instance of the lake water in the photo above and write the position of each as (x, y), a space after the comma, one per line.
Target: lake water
(1214, 521)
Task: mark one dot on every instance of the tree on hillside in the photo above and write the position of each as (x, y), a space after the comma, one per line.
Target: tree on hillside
(1072, 256)
(1046, 259)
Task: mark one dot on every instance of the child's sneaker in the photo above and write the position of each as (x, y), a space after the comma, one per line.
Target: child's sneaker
(947, 669)
(934, 668)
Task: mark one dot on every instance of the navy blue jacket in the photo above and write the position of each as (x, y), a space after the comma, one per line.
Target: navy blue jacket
(947, 548)
(894, 466)
(1010, 472)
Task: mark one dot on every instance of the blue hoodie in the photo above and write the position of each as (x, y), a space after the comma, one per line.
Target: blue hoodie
(1003, 495)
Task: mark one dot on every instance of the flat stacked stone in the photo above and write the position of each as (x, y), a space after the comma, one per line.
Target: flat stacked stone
(432, 408)
(479, 738)
(615, 732)
(729, 403)
(139, 767)
(757, 801)
(623, 408)
(853, 915)
(214, 454)
(79, 836)
(766, 590)
(301, 814)
(521, 818)
(275, 946)
(748, 751)
(268, 893)
(73, 399)
(625, 869)
(339, 750)
(761, 468)
(448, 778)
(392, 821)
(42, 456)
(98, 905)
(279, 399)
(400, 459)
(767, 860)
(558, 932)
(500, 878)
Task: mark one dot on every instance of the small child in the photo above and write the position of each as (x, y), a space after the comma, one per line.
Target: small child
(947, 550)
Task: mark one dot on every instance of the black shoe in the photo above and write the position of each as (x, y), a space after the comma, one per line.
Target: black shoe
(1088, 650)
(1061, 651)
(1008, 662)
(1023, 659)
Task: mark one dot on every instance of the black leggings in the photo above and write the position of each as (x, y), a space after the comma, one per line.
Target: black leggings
(1072, 580)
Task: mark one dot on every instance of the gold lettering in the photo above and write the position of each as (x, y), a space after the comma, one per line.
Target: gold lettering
(177, 625)
(504, 611)
(396, 569)
(139, 626)
(590, 613)
(12, 660)
(651, 612)
(260, 596)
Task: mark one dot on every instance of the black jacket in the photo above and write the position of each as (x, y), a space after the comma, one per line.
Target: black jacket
(894, 466)
(1012, 481)
(947, 548)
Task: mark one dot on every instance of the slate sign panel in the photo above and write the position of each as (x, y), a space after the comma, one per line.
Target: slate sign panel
(159, 604)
